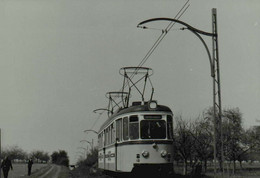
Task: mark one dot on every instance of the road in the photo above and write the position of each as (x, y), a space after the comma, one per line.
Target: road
(39, 171)
(50, 171)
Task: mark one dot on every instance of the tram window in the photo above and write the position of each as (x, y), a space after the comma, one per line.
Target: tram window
(106, 131)
(169, 127)
(133, 119)
(113, 133)
(105, 137)
(125, 128)
(99, 140)
(133, 127)
(108, 135)
(153, 129)
(102, 139)
(119, 129)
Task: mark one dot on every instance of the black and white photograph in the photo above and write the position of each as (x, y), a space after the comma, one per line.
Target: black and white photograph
(130, 88)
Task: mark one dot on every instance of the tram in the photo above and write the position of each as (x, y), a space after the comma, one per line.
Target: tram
(136, 138)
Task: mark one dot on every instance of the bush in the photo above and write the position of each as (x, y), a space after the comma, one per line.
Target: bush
(88, 167)
(60, 158)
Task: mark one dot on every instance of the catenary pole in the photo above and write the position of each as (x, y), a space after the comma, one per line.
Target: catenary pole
(217, 93)
(215, 74)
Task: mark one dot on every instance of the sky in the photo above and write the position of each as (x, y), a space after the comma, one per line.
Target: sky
(58, 58)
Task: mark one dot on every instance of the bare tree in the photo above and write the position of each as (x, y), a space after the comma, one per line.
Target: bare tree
(184, 141)
(14, 153)
(202, 134)
(40, 156)
(252, 140)
(232, 135)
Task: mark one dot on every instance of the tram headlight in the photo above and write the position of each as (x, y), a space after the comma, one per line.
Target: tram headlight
(163, 153)
(145, 154)
(152, 105)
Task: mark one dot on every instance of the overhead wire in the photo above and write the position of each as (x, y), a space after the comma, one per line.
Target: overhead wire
(155, 45)
(92, 127)
(158, 41)
(161, 37)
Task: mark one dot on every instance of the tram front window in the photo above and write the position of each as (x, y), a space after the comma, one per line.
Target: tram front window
(153, 129)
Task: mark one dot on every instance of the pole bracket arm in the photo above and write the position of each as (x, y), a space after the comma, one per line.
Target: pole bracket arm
(177, 21)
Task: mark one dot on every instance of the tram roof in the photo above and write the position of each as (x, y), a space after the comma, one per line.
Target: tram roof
(131, 109)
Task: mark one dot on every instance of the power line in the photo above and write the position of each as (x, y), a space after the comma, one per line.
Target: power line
(155, 45)
(97, 120)
(161, 37)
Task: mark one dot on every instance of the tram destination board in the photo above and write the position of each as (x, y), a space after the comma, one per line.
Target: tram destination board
(152, 116)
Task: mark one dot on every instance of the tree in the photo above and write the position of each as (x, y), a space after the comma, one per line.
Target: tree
(232, 135)
(14, 152)
(37, 154)
(46, 157)
(55, 157)
(203, 140)
(88, 166)
(194, 140)
(215, 124)
(40, 156)
(92, 157)
(252, 140)
(184, 141)
(60, 158)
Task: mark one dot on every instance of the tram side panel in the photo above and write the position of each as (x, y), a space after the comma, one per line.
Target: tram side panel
(125, 158)
(101, 159)
(107, 159)
(110, 159)
(119, 159)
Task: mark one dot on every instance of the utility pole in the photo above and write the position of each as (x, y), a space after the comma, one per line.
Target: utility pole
(215, 74)
(216, 90)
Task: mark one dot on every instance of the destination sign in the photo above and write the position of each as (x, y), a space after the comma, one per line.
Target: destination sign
(152, 116)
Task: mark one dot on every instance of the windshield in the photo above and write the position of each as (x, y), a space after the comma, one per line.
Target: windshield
(153, 129)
